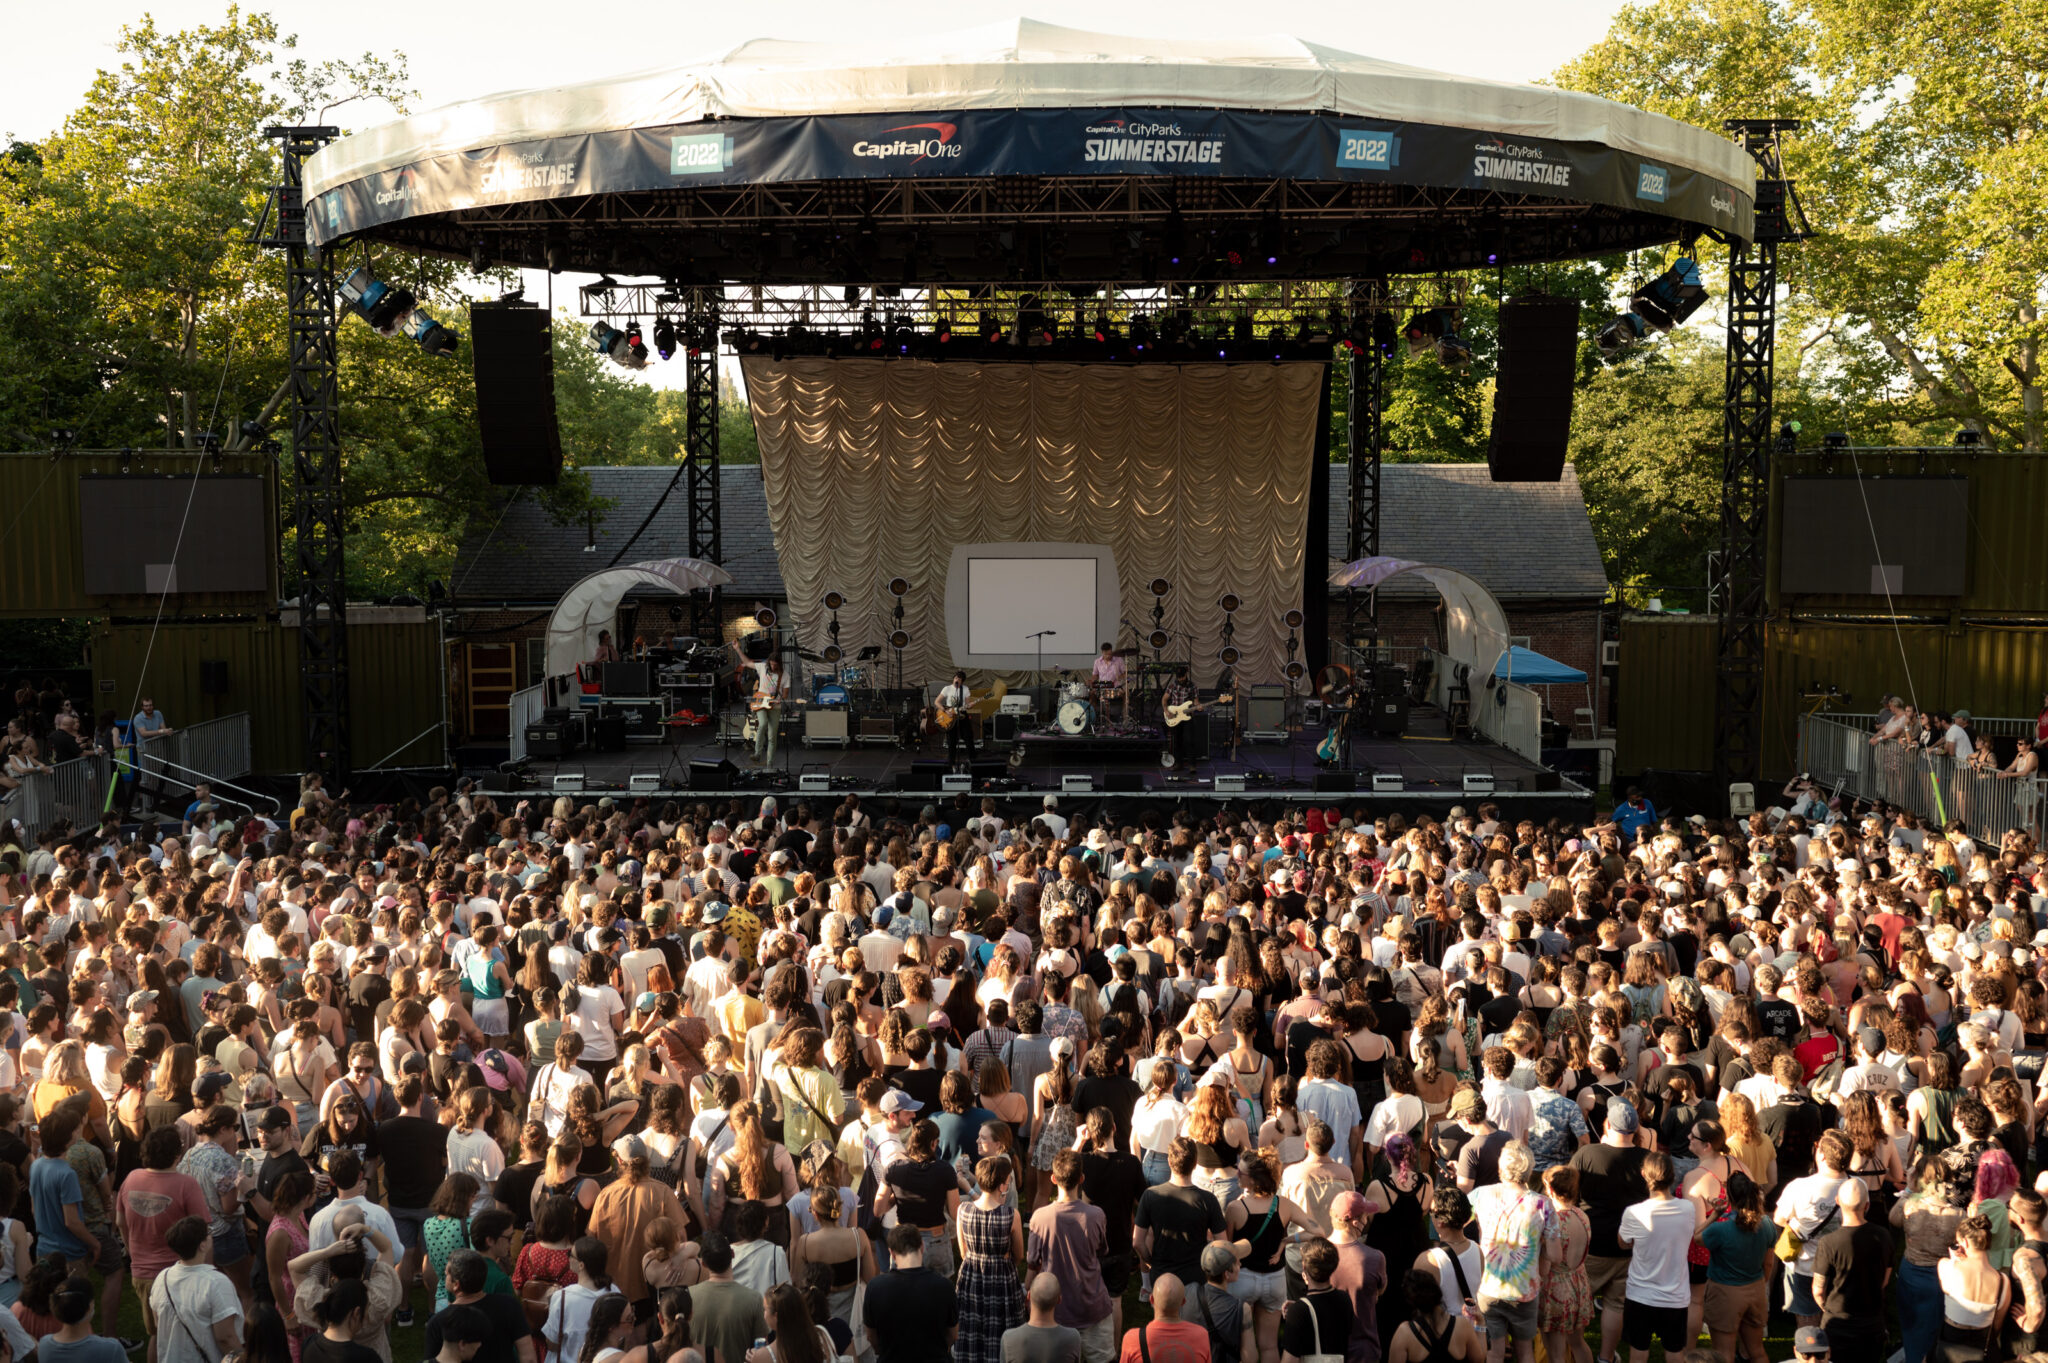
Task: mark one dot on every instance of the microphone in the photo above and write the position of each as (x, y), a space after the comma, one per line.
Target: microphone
(1041, 634)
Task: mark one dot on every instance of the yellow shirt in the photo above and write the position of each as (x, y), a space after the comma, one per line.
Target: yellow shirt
(738, 1014)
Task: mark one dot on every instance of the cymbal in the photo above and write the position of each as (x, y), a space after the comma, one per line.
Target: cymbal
(1125, 653)
(809, 656)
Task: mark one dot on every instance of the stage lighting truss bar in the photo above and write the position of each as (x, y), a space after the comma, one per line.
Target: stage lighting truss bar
(826, 310)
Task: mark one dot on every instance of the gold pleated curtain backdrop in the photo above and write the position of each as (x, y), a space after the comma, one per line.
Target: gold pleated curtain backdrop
(1195, 473)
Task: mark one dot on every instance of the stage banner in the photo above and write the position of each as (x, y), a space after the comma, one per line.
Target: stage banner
(1048, 142)
(1197, 473)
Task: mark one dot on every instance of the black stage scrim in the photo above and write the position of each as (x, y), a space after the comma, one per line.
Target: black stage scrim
(1195, 473)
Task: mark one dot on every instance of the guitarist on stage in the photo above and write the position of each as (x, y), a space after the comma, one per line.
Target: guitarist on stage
(1180, 738)
(952, 702)
(771, 686)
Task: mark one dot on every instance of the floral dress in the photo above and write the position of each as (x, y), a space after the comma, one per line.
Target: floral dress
(1056, 1135)
(990, 1299)
(1566, 1306)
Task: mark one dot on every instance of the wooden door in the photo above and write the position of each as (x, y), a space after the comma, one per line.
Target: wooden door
(493, 677)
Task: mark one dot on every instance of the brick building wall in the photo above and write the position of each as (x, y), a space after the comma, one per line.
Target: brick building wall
(1568, 631)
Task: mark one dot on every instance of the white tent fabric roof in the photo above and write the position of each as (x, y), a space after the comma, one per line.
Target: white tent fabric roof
(592, 604)
(1023, 64)
(1475, 626)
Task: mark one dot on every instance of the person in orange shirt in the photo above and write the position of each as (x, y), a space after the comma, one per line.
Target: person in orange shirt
(1168, 1338)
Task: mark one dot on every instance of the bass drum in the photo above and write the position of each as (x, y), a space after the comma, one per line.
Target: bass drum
(1076, 716)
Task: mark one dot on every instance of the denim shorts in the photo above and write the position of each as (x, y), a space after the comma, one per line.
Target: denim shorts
(412, 1222)
(1268, 1290)
(231, 1246)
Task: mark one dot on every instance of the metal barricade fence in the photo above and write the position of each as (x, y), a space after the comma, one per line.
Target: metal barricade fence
(1840, 756)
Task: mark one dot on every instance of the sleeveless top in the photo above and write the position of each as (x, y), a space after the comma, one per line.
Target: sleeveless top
(1267, 1237)
(484, 983)
(1439, 1345)
(1938, 1131)
(1219, 1154)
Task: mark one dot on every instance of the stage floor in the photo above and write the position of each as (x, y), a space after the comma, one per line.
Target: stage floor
(1432, 765)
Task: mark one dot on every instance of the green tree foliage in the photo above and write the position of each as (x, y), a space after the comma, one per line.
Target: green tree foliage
(1918, 302)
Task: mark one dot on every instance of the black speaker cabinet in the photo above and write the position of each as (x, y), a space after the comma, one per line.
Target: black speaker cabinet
(515, 393)
(706, 774)
(990, 771)
(924, 773)
(628, 679)
(1340, 781)
(1389, 714)
(608, 733)
(1532, 391)
(1128, 781)
(1006, 727)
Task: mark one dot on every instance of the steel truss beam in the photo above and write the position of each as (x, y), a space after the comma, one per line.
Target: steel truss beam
(1746, 454)
(317, 510)
(1364, 371)
(700, 320)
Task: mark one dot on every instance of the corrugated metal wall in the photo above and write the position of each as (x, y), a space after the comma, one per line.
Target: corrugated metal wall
(394, 683)
(41, 558)
(1664, 697)
(1666, 690)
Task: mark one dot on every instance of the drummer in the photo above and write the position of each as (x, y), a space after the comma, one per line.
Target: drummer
(1108, 672)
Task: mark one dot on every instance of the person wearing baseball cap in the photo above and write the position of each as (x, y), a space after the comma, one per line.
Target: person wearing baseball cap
(1810, 1343)
(1610, 1182)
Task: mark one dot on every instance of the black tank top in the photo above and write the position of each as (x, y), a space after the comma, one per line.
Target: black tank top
(1439, 1345)
(1267, 1237)
(1218, 1154)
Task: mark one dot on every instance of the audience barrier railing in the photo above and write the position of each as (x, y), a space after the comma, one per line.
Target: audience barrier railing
(216, 750)
(1837, 752)
(527, 706)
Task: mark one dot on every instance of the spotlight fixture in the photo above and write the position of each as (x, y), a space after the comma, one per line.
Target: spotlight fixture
(1160, 586)
(1228, 655)
(899, 586)
(765, 617)
(1157, 639)
(393, 311)
(1296, 670)
(1436, 329)
(664, 337)
(1835, 440)
(1229, 603)
(1293, 619)
(834, 601)
(1969, 437)
(1671, 297)
(899, 638)
(615, 345)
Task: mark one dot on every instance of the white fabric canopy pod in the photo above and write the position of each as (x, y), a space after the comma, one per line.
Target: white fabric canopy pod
(590, 605)
(1475, 626)
(1024, 64)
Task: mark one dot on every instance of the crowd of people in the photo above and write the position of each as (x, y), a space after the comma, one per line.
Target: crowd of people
(625, 1082)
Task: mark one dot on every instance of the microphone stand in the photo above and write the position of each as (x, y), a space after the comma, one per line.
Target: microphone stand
(1040, 636)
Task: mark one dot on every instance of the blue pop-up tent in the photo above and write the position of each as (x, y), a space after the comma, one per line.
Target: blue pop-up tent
(1531, 668)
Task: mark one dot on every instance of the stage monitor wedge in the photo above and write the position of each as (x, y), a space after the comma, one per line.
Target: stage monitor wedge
(513, 344)
(1532, 389)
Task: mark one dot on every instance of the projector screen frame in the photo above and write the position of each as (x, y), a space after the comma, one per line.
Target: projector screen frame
(1060, 651)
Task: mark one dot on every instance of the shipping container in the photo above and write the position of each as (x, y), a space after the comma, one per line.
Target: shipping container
(43, 553)
(395, 684)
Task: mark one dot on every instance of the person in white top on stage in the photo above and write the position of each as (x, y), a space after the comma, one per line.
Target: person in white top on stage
(953, 698)
(771, 685)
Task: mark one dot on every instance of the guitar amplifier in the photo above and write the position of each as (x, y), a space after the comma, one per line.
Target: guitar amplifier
(550, 740)
(1008, 724)
(825, 725)
(642, 716)
(608, 734)
(876, 729)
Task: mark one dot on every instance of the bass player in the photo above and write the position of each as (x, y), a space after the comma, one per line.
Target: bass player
(1180, 737)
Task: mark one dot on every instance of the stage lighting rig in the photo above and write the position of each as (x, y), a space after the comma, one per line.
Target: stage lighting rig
(617, 346)
(664, 337)
(1436, 330)
(1658, 306)
(393, 311)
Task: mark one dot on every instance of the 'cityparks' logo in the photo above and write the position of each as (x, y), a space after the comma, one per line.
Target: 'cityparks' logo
(1128, 141)
(1652, 183)
(402, 188)
(938, 147)
(1518, 164)
(700, 154)
(1367, 149)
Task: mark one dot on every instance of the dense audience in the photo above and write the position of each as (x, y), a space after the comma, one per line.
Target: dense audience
(625, 1081)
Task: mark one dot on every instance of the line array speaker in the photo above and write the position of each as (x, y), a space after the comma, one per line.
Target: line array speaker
(515, 393)
(1532, 391)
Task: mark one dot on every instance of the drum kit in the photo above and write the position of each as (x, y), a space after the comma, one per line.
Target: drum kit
(1074, 710)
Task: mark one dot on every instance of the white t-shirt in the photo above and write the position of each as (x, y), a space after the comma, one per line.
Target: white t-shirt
(592, 1018)
(1658, 1232)
(188, 1300)
(1957, 741)
(1805, 1205)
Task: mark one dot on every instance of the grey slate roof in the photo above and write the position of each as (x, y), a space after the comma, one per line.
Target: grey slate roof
(1522, 541)
(531, 561)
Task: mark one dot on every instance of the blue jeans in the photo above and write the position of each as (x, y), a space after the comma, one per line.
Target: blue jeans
(1156, 1171)
(1919, 1298)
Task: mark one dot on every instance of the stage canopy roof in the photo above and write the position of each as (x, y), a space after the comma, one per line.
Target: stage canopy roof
(591, 605)
(1021, 98)
(1530, 668)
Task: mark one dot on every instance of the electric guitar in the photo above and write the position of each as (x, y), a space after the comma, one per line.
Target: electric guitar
(1177, 715)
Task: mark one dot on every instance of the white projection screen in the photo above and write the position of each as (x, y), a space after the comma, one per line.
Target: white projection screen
(1000, 594)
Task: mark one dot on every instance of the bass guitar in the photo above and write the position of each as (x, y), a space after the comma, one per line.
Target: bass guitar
(1177, 715)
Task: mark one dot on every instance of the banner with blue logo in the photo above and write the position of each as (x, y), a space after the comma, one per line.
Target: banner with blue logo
(1037, 142)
